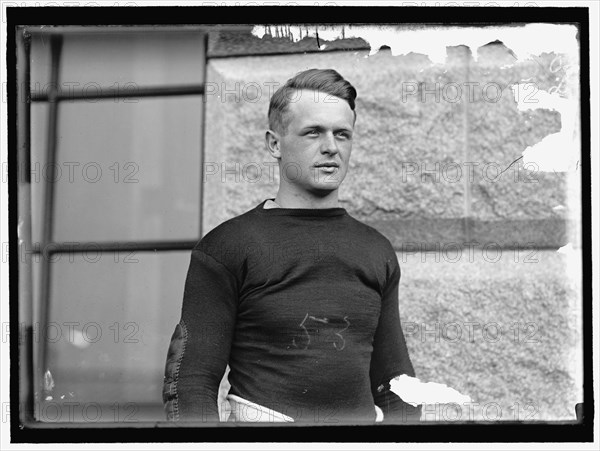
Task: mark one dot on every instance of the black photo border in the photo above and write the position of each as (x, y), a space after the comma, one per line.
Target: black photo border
(34, 432)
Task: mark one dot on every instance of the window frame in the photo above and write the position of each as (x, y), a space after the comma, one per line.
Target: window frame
(33, 353)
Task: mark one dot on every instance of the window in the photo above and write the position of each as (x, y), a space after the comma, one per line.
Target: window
(116, 151)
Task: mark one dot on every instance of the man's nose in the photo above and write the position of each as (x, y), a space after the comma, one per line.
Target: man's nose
(329, 144)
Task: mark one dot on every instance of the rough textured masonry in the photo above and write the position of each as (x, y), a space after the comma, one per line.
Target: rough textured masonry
(433, 168)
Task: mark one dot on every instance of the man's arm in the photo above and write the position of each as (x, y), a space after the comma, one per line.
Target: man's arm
(199, 349)
(390, 354)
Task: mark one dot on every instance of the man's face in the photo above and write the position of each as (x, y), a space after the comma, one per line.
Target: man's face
(315, 149)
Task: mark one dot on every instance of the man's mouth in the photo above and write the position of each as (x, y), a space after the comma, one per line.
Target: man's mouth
(329, 167)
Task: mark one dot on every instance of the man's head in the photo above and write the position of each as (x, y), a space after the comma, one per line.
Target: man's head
(311, 122)
(326, 81)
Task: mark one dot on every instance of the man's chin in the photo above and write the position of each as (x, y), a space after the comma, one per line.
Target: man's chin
(324, 189)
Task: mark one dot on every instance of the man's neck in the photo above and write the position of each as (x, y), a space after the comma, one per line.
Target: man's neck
(293, 200)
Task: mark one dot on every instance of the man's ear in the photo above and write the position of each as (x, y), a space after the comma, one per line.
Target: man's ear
(273, 143)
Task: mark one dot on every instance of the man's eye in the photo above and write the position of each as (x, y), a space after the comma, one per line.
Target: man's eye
(344, 135)
(312, 132)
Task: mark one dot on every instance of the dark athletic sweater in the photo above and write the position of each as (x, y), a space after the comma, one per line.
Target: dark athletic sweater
(303, 305)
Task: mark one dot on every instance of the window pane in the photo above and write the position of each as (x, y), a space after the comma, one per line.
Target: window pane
(111, 319)
(40, 64)
(126, 171)
(126, 58)
(38, 167)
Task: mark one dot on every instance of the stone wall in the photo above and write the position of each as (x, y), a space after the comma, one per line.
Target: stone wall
(485, 301)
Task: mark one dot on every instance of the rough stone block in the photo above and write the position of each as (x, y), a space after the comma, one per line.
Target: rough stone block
(504, 329)
(510, 201)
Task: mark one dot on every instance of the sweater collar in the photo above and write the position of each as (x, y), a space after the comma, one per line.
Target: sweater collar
(318, 212)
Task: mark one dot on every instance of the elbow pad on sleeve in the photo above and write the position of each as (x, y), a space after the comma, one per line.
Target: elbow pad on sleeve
(174, 357)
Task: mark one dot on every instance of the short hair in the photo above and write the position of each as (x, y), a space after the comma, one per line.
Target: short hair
(327, 81)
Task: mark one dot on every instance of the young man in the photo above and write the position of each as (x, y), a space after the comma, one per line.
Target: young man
(298, 297)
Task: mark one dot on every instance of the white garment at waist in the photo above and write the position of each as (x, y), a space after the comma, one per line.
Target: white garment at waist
(247, 411)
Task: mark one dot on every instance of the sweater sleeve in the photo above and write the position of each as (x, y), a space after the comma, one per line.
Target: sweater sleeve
(200, 346)
(390, 354)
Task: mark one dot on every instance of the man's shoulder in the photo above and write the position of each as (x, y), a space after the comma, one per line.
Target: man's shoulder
(370, 233)
(230, 232)
(373, 245)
